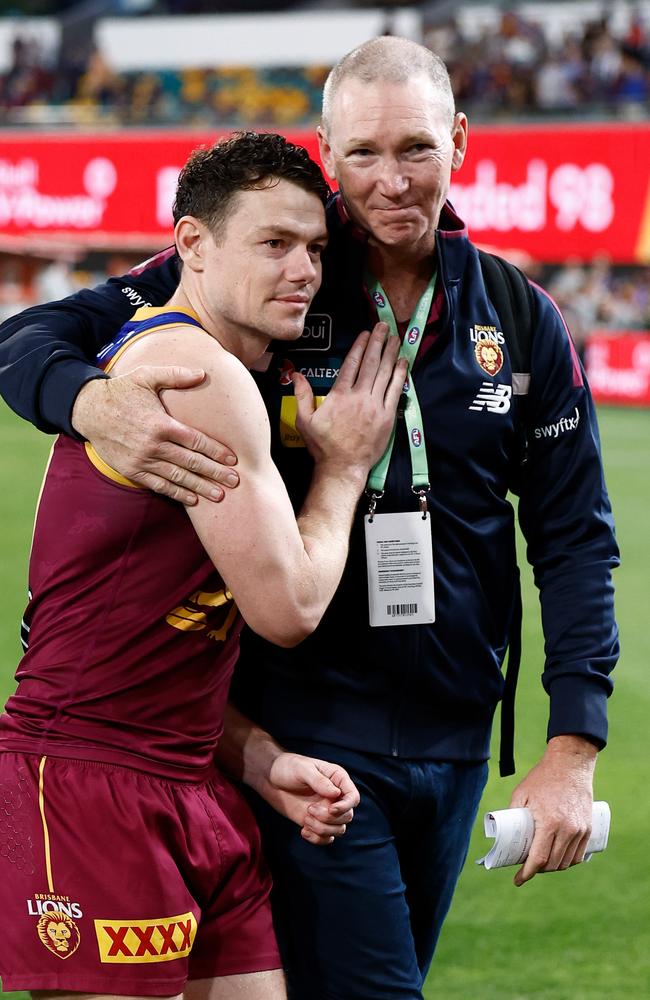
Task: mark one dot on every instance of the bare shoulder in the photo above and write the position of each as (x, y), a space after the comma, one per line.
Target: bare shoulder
(225, 405)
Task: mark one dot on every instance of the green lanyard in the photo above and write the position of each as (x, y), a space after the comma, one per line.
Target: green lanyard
(412, 414)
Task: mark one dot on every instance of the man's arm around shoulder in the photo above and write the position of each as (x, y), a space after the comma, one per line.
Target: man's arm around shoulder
(48, 375)
(47, 352)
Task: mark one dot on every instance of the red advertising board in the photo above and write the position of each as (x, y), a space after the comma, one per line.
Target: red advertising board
(618, 367)
(550, 191)
(94, 187)
(559, 191)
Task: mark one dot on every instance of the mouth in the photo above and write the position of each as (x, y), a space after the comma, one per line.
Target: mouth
(397, 210)
(297, 300)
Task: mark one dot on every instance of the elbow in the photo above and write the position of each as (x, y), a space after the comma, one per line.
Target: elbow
(285, 611)
(289, 633)
(288, 627)
(286, 640)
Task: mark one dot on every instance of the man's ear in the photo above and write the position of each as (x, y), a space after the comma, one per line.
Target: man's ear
(326, 154)
(189, 235)
(459, 139)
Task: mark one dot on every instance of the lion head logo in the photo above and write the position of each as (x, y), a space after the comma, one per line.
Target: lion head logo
(489, 356)
(59, 933)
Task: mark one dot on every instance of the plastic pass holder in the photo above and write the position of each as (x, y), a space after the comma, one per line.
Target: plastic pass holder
(399, 558)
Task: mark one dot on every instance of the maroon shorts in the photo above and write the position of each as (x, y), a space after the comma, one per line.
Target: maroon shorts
(116, 881)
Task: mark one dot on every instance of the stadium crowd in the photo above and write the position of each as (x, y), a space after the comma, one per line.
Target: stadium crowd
(518, 69)
(514, 69)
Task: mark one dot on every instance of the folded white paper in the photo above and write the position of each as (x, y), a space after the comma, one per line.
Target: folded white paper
(513, 830)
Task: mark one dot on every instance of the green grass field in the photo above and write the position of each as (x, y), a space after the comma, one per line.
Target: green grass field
(583, 934)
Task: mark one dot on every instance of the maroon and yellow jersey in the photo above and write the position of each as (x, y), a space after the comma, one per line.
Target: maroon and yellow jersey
(132, 633)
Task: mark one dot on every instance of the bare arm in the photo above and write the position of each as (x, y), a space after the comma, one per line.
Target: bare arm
(283, 573)
(317, 795)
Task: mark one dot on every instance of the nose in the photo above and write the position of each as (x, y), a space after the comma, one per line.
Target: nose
(302, 267)
(392, 180)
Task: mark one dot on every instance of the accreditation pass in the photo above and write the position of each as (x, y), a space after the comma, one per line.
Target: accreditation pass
(399, 555)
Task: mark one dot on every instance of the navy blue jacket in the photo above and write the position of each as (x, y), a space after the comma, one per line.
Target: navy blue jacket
(418, 690)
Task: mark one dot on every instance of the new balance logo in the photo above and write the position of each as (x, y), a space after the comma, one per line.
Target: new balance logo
(493, 398)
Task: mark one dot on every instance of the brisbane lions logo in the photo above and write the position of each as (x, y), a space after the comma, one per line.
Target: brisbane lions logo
(59, 933)
(489, 356)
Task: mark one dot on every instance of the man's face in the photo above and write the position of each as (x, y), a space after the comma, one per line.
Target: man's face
(266, 268)
(392, 149)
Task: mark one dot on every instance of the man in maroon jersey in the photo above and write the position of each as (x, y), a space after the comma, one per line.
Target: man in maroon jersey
(130, 865)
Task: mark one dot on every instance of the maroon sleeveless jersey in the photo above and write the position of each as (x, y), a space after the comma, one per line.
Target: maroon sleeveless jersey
(132, 633)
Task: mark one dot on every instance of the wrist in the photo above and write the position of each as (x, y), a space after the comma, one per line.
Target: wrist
(343, 470)
(260, 755)
(572, 745)
(85, 405)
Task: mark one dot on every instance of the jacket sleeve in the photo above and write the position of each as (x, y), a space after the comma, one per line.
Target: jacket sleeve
(566, 518)
(47, 352)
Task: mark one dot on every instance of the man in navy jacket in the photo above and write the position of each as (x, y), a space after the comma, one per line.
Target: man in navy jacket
(406, 708)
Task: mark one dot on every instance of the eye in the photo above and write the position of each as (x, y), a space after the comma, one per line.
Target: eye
(274, 244)
(361, 152)
(316, 249)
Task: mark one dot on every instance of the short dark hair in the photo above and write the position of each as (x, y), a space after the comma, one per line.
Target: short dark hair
(245, 161)
(394, 60)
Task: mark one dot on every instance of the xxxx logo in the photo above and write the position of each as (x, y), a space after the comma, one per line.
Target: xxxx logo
(137, 942)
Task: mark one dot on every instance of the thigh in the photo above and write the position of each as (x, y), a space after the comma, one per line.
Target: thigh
(341, 913)
(230, 879)
(253, 986)
(93, 901)
(433, 841)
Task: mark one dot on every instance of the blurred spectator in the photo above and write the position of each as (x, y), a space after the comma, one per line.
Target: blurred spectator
(100, 86)
(596, 295)
(54, 281)
(27, 80)
(556, 83)
(444, 37)
(632, 82)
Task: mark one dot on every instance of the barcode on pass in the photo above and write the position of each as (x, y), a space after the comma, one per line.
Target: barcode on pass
(401, 609)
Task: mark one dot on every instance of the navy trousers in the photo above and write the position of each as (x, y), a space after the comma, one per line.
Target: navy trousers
(360, 919)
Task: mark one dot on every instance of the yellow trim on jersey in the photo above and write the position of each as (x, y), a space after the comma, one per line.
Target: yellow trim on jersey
(148, 312)
(107, 470)
(142, 314)
(46, 834)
